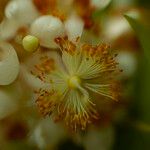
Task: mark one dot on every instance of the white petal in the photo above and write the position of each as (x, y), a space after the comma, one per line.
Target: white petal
(8, 29)
(22, 11)
(35, 59)
(47, 28)
(134, 13)
(29, 65)
(74, 28)
(32, 81)
(115, 27)
(7, 104)
(46, 132)
(9, 64)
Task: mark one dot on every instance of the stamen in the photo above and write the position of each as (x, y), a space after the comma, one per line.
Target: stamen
(46, 66)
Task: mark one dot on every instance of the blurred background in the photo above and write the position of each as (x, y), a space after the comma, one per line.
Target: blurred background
(125, 125)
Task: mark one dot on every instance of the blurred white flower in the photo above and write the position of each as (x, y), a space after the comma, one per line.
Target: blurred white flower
(115, 27)
(47, 134)
(134, 13)
(99, 4)
(128, 62)
(9, 64)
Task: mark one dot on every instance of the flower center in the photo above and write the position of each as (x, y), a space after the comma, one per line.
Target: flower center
(74, 81)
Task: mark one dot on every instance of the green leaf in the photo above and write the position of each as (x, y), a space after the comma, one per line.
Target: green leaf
(143, 34)
(142, 89)
(134, 134)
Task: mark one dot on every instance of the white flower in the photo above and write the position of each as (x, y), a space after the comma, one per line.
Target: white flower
(86, 69)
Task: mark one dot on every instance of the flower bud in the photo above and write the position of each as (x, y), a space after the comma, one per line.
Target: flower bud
(30, 43)
(22, 11)
(47, 28)
(74, 28)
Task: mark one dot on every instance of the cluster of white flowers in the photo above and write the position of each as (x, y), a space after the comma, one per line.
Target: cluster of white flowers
(42, 52)
(24, 22)
(23, 14)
